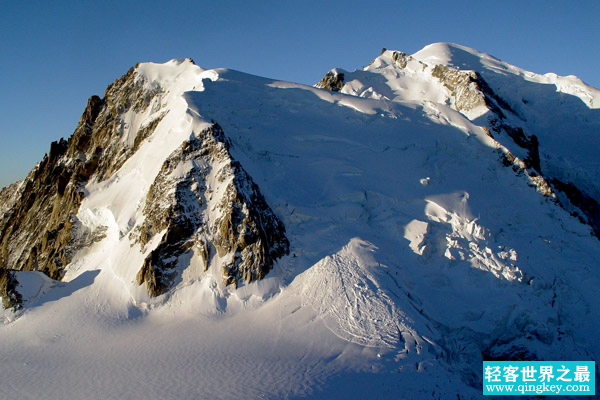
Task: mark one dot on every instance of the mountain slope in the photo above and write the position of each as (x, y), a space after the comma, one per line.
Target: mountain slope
(548, 122)
(378, 238)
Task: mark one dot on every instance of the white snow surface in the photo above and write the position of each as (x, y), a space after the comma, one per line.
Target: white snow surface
(413, 249)
(562, 111)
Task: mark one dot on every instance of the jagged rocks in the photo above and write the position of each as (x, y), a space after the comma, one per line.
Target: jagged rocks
(35, 230)
(153, 277)
(463, 87)
(101, 140)
(468, 90)
(333, 81)
(529, 143)
(37, 225)
(8, 289)
(205, 205)
(249, 229)
(508, 159)
(401, 58)
(8, 197)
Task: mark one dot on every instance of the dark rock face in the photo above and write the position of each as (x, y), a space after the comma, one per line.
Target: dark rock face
(589, 207)
(212, 209)
(528, 143)
(8, 290)
(37, 225)
(332, 81)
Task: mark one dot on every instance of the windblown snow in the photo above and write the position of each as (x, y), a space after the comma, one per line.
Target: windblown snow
(414, 252)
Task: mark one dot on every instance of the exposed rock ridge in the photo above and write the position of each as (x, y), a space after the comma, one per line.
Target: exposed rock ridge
(470, 94)
(587, 209)
(333, 81)
(39, 229)
(205, 205)
(469, 90)
(401, 58)
(508, 159)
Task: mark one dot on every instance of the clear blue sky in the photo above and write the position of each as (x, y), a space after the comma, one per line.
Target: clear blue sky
(55, 54)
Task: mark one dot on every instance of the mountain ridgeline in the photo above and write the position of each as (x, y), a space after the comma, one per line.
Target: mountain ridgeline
(40, 230)
(467, 91)
(422, 214)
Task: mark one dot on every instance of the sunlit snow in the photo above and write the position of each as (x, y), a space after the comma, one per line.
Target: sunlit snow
(412, 248)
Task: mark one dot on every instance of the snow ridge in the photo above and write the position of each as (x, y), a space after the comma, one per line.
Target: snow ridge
(431, 205)
(350, 300)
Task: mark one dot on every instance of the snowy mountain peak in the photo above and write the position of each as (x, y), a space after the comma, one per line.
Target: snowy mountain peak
(176, 75)
(411, 219)
(465, 58)
(510, 103)
(455, 55)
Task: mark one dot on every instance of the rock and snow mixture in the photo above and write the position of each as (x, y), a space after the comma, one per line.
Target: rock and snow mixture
(209, 233)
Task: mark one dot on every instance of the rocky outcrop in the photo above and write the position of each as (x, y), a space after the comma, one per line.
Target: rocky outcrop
(38, 228)
(401, 58)
(520, 167)
(35, 231)
(8, 290)
(204, 204)
(469, 90)
(464, 88)
(101, 139)
(333, 81)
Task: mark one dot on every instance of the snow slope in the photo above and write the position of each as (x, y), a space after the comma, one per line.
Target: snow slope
(415, 253)
(562, 112)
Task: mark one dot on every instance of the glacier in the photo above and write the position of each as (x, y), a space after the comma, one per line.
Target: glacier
(412, 224)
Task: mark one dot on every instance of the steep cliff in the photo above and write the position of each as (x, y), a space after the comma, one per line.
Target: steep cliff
(203, 202)
(37, 226)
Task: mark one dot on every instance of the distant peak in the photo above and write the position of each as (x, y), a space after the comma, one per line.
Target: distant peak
(456, 55)
(442, 53)
(179, 61)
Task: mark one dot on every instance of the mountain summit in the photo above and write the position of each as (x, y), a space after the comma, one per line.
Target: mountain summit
(209, 233)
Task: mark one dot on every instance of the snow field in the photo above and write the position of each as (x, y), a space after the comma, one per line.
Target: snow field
(413, 250)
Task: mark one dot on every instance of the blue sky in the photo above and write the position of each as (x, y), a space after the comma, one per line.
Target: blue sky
(56, 54)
